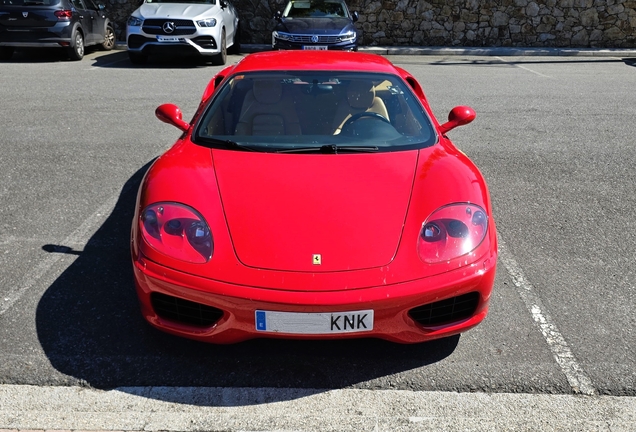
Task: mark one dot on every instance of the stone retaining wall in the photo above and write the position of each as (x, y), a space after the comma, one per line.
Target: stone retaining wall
(508, 23)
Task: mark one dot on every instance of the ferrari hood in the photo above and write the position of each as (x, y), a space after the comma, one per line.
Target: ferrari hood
(176, 10)
(317, 26)
(315, 213)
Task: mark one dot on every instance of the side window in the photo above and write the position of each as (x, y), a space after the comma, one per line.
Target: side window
(91, 5)
(79, 4)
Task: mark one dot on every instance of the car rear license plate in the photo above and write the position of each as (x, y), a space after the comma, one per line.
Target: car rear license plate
(314, 323)
(168, 39)
(315, 47)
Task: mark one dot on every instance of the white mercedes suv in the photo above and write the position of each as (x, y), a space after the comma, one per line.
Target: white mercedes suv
(204, 27)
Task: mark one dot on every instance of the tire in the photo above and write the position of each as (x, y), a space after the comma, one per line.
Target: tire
(76, 51)
(6, 53)
(236, 43)
(136, 58)
(109, 39)
(221, 58)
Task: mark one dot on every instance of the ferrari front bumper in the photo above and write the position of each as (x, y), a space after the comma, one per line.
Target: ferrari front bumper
(403, 312)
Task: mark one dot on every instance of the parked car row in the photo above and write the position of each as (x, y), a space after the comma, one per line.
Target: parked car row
(207, 28)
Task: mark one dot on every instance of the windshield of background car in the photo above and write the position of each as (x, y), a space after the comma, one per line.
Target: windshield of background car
(289, 111)
(315, 9)
(210, 2)
(31, 2)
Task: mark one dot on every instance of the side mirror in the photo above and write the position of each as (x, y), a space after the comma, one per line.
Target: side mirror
(355, 16)
(459, 116)
(223, 3)
(171, 114)
(278, 16)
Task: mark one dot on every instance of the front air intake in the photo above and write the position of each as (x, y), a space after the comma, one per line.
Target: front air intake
(184, 311)
(446, 311)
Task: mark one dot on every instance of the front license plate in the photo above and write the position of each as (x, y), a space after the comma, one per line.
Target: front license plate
(315, 47)
(167, 39)
(314, 323)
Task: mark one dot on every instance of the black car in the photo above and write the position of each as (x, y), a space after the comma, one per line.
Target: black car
(315, 25)
(67, 24)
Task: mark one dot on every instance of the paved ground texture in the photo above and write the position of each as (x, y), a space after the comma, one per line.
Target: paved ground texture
(554, 138)
(223, 409)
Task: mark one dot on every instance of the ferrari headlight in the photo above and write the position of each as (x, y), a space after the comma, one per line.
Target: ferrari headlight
(134, 21)
(451, 231)
(210, 22)
(349, 36)
(178, 231)
(281, 35)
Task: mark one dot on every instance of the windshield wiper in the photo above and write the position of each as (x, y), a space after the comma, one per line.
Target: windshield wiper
(331, 149)
(230, 145)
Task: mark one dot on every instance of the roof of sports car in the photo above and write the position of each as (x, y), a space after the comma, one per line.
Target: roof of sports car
(314, 60)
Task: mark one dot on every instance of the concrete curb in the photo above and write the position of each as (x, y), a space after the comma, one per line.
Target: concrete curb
(501, 51)
(466, 51)
(194, 409)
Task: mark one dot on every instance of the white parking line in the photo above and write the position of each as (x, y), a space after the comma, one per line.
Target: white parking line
(576, 376)
(80, 236)
(523, 67)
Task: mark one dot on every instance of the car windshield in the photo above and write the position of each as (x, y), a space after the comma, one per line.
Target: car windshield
(328, 112)
(211, 2)
(315, 9)
(31, 2)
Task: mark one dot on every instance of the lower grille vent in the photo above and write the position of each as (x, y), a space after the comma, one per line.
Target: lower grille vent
(184, 311)
(446, 311)
(206, 42)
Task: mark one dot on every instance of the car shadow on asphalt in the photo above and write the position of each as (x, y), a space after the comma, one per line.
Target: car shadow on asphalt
(630, 61)
(115, 59)
(118, 59)
(90, 327)
(43, 55)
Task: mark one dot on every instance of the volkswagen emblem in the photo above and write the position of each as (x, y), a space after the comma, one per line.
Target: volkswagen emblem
(169, 27)
(314, 39)
(25, 14)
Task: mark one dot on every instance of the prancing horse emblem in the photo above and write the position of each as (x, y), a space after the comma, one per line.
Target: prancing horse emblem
(25, 14)
(317, 259)
(169, 27)
(314, 39)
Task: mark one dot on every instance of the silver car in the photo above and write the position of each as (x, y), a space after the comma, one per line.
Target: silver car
(208, 28)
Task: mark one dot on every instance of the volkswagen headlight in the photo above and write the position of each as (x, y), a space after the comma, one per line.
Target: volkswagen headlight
(349, 36)
(282, 35)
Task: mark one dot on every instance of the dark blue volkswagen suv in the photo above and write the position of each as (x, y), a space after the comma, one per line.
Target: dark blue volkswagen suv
(315, 25)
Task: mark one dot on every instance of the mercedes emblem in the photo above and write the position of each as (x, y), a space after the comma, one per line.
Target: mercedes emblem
(169, 27)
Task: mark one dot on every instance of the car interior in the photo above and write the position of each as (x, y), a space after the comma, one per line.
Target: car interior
(316, 9)
(322, 107)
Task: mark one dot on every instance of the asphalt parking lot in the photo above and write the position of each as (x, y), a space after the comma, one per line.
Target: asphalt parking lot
(554, 137)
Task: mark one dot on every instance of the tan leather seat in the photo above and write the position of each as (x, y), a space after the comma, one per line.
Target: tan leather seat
(268, 110)
(360, 97)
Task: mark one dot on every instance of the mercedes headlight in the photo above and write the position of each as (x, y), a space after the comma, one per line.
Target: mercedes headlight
(210, 22)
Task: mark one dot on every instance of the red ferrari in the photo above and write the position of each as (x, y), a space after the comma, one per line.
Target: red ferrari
(314, 195)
